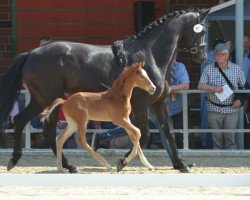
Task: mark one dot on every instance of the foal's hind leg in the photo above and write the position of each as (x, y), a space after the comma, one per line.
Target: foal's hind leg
(60, 140)
(50, 134)
(81, 139)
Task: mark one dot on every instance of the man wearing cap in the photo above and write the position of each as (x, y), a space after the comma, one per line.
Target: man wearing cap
(222, 114)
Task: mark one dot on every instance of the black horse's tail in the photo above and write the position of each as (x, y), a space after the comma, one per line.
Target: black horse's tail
(10, 85)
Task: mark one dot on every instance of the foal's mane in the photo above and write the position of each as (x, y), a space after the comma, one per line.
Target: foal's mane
(119, 82)
(162, 20)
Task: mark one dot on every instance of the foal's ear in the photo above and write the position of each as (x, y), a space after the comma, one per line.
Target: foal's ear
(141, 64)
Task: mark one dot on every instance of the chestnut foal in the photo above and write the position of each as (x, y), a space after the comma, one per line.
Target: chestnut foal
(111, 105)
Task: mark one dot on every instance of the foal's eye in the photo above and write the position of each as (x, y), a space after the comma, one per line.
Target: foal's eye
(141, 76)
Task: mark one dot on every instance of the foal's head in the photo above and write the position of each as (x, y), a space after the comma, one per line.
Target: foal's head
(140, 78)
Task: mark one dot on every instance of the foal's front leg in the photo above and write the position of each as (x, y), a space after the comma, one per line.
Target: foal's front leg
(144, 159)
(134, 134)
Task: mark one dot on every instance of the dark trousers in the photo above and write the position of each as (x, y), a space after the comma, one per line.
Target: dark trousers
(111, 134)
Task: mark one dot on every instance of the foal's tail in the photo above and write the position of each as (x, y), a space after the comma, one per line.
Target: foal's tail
(10, 85)
(47, 111)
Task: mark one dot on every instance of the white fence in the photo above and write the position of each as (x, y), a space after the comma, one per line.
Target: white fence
(186, 131)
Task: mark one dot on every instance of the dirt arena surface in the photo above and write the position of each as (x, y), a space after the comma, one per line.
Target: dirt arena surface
(46, 164)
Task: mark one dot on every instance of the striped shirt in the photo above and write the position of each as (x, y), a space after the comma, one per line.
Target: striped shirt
(212, 76)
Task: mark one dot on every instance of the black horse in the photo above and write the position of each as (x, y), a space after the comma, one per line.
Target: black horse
(53, 69)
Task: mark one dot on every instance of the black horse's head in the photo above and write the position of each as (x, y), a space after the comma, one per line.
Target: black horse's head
(193, 36)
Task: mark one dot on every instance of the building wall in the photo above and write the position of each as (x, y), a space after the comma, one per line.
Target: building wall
(87, 21)
(5, 35)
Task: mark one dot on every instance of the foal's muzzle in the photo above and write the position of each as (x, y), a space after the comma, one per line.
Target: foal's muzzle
(152, 90)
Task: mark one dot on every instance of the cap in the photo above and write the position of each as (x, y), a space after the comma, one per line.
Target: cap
(221, 47)
(217, 41)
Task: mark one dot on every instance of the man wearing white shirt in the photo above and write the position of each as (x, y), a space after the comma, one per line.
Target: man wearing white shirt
(222, 115)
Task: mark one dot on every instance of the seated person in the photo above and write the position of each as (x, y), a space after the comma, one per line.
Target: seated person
(117, 138)
(114, 138)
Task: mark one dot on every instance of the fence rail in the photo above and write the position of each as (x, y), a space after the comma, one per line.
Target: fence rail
(28, 130)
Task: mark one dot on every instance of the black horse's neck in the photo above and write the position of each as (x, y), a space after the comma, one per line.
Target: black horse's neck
(157, 42)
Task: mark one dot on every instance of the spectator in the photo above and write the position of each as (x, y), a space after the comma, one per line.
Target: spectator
(222, 114)
(246, 59)
(206, 138)
(246, 69)
(179, 80)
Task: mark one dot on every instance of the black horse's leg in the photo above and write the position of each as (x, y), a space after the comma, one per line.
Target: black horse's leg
(160, 109)
(50, 134)
(20, 121)
(164, 140)
(3, 142)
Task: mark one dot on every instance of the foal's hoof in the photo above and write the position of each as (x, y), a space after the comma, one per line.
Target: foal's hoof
(191, 165)
(151, 169)
(120, 165)
(10, 165)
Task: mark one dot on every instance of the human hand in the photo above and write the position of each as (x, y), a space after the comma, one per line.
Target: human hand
(218, 89)
(236, 103)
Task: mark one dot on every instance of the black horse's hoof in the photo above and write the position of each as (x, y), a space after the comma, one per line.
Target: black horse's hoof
(74, 171)
(184, 168)
(120, 165)
(10, 165)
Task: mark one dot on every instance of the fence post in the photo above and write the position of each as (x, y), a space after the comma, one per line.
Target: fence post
(27, 127)
(185, 121)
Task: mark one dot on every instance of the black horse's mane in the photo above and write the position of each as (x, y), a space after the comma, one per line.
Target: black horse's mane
(162, 20)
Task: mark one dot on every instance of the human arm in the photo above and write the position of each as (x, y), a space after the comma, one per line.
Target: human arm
(177, 88)
(206, 84)
(182, 80)
(209, 88)
(240, 98)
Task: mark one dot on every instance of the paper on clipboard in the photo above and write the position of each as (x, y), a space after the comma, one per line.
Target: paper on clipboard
(227, 92)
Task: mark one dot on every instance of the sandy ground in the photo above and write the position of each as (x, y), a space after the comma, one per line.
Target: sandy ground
(47, 164)
(87, 165)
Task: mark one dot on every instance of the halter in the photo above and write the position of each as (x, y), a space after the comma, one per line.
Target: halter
(198, 45)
